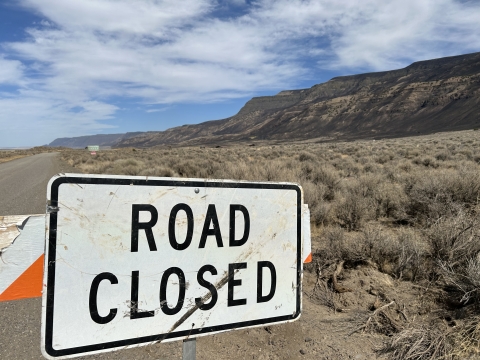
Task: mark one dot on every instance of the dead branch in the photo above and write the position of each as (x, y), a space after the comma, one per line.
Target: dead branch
(374, 318)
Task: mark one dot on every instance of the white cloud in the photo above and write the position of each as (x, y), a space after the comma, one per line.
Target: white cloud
(11, 71)
(397, 32)
(157, 110)
(39, 117)
(148, 17)
(86, 52)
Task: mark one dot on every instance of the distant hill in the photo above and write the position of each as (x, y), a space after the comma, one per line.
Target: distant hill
(425, 97)
(101, 140)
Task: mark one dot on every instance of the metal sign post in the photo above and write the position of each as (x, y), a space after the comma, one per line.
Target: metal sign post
(132, 261)
(189, 349)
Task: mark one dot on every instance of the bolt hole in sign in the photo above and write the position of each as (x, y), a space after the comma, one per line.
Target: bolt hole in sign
(137, 260)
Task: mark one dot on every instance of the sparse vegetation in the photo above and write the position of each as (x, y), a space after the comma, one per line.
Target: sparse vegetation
(406, 207)
(8, 155)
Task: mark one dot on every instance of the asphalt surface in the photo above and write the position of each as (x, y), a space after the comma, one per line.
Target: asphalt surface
(23, 183)
(23, 190)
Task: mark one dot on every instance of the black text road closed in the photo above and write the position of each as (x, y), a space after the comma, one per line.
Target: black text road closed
(131, 261)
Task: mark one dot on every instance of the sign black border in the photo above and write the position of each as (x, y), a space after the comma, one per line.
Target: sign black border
(52, 242)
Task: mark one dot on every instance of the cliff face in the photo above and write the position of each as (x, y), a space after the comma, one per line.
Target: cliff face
(425, 97)
(100, 139)
(283, 99)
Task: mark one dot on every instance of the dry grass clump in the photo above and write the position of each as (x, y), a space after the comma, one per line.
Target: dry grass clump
(325, 296)
(436, 341)
(464, 278)
(380, 320)
(423, 343)
(408, 207)
(454, 239)
(467, 339)
(398, 252)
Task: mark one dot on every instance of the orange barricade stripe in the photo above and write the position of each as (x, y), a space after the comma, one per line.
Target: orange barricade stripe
(27, 285)
(308, 259)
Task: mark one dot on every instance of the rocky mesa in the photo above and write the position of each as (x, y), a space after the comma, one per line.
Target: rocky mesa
(425, 97)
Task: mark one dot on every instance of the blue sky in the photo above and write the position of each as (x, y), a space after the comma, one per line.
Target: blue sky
(80, 67)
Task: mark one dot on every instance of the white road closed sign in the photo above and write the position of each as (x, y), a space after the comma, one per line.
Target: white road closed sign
(137, 260)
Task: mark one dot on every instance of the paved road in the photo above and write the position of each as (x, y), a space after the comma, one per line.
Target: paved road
(23, 190)
(23, 183)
